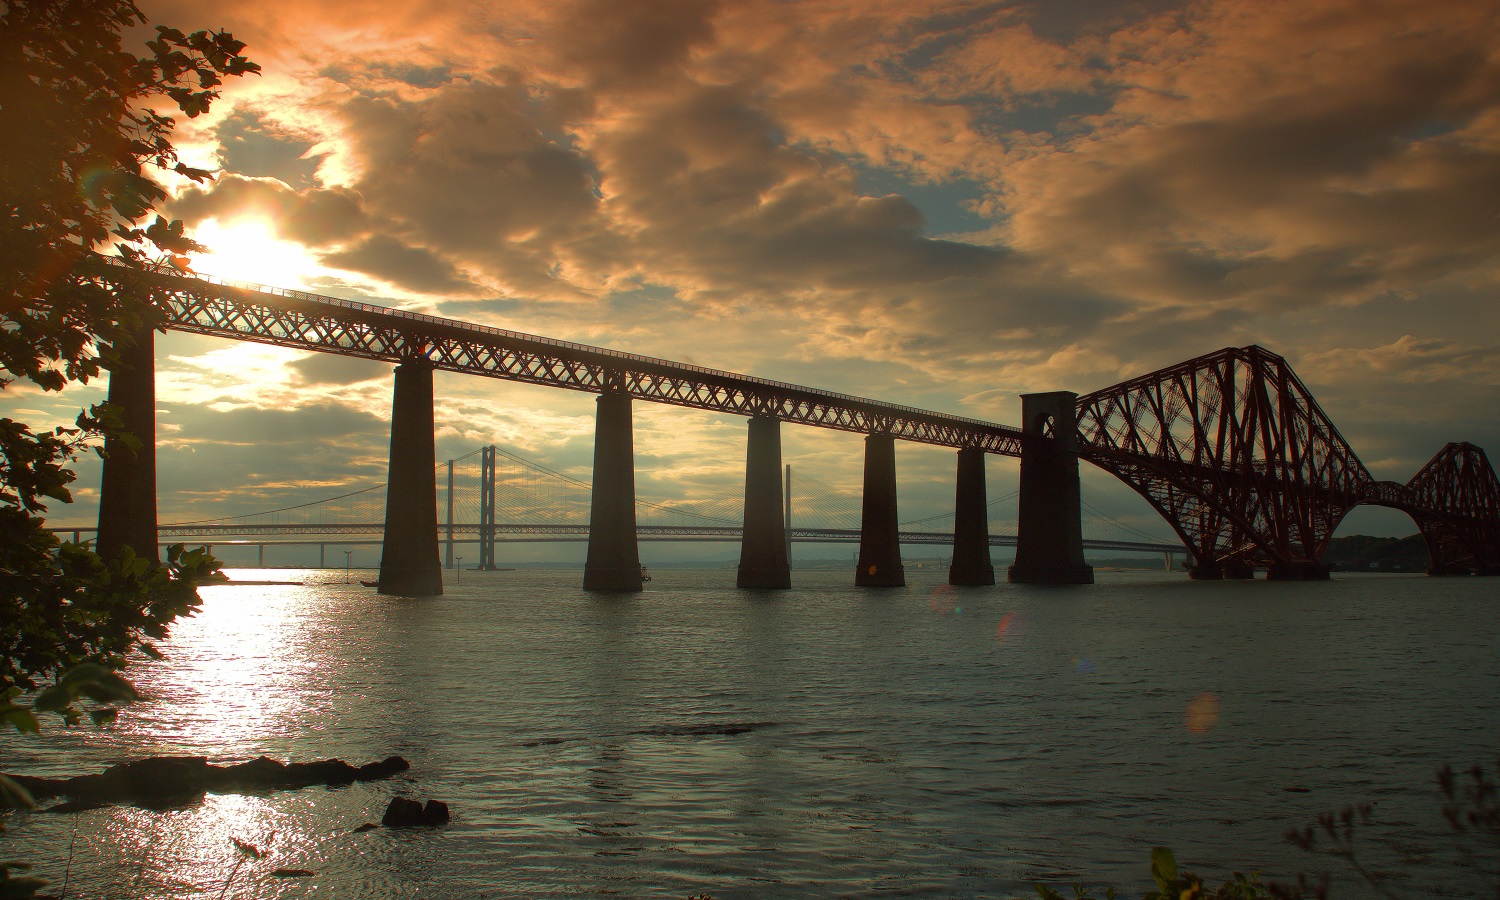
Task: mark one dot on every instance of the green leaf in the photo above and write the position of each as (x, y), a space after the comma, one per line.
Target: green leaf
(55, 698)
(1163, 867)
(15, 796)
(20, 718)
(25, 886)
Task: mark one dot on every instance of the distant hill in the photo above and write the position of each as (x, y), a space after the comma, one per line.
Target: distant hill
(1362, 553)
(1355, 553)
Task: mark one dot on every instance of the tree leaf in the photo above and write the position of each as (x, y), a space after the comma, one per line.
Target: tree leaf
(14, 796)
(1163, 867)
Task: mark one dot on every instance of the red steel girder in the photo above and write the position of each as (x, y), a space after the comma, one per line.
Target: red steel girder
(1455, 499)
(1233, 451)
(328, 324)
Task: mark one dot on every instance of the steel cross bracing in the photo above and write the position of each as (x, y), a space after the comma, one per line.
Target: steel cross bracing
(1455, 499)
(1234, 452)
(1232, 449)
(312, 322)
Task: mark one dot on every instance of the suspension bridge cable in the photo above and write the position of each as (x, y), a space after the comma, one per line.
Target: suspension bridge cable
(940, 516)
(1121, 525)
(268, 512)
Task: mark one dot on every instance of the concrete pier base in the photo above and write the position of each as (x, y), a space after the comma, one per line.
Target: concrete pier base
(879, 529)
(1234, 570)
(1297, 571)
(1229, 570)
(127, 494)
(763, 546)
(1049, 539)
(409, 564)
(971, 523)
(614, 560)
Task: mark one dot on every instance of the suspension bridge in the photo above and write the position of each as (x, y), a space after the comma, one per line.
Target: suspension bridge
(492, 496)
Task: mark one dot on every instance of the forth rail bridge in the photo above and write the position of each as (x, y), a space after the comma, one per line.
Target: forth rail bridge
(1230, 448)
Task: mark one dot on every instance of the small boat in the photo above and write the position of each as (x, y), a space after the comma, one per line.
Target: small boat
(369, 583)
(645, 575)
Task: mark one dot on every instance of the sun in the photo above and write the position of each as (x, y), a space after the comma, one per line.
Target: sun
(249, 249)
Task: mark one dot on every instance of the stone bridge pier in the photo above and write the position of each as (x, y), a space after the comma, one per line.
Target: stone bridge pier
(409, 564)
(764, 558)
(127, 493)
(614, 560)
(1049, 533)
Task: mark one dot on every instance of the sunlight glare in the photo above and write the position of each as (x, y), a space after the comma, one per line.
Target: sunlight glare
(249, 249)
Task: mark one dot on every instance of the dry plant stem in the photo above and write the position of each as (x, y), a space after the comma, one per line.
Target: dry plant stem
(230, 880)
(68, 869)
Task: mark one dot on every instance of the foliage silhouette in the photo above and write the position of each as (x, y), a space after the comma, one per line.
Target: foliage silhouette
(85, 131)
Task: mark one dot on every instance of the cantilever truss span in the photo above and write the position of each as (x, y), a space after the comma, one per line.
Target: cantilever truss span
(1237, 456)
(328, 324)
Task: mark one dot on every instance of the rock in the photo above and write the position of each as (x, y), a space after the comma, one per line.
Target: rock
(292, 873)
(162, 781)
(435, 813)
(154, 782)
(387, 767)
(402, 813)
(332, 772)
(368, 826)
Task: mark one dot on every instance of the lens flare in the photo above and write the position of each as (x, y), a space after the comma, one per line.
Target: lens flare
(1202, 713)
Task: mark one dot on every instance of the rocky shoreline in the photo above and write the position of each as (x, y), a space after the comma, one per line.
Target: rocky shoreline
(164, 781)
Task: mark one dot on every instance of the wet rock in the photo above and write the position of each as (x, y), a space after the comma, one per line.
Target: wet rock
(387, 767)
(164, 781)
(402, 813)
(435, 813)
(368, 826)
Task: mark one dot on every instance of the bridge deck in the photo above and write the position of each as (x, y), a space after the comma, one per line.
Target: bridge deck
(307, 321)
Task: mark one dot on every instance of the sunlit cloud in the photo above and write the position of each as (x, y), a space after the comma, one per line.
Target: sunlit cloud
(940, 203)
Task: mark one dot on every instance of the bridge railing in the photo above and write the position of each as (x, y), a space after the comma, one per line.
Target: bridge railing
(469, 327)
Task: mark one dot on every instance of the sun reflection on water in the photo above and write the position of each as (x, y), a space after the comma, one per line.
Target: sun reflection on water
(229, 845)
(241, 670)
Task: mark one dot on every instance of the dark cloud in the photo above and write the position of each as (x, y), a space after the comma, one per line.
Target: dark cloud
(252, 147)
(475, 172)
(1256, 184)
(628, 44)
(331, 368)
(413, 268)
(713, 191)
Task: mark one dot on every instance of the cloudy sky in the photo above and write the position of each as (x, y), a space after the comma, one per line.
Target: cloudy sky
(938, 203)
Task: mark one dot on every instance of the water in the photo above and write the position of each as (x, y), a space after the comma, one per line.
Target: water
(824, 741)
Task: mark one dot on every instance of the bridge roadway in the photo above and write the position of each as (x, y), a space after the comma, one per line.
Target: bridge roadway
(289, 318)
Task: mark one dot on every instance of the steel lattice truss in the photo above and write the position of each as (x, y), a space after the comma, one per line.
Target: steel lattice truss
(327, 324)
(1233, 451)
(1455, 499)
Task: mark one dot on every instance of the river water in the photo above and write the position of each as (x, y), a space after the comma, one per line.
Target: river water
(819, 742)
